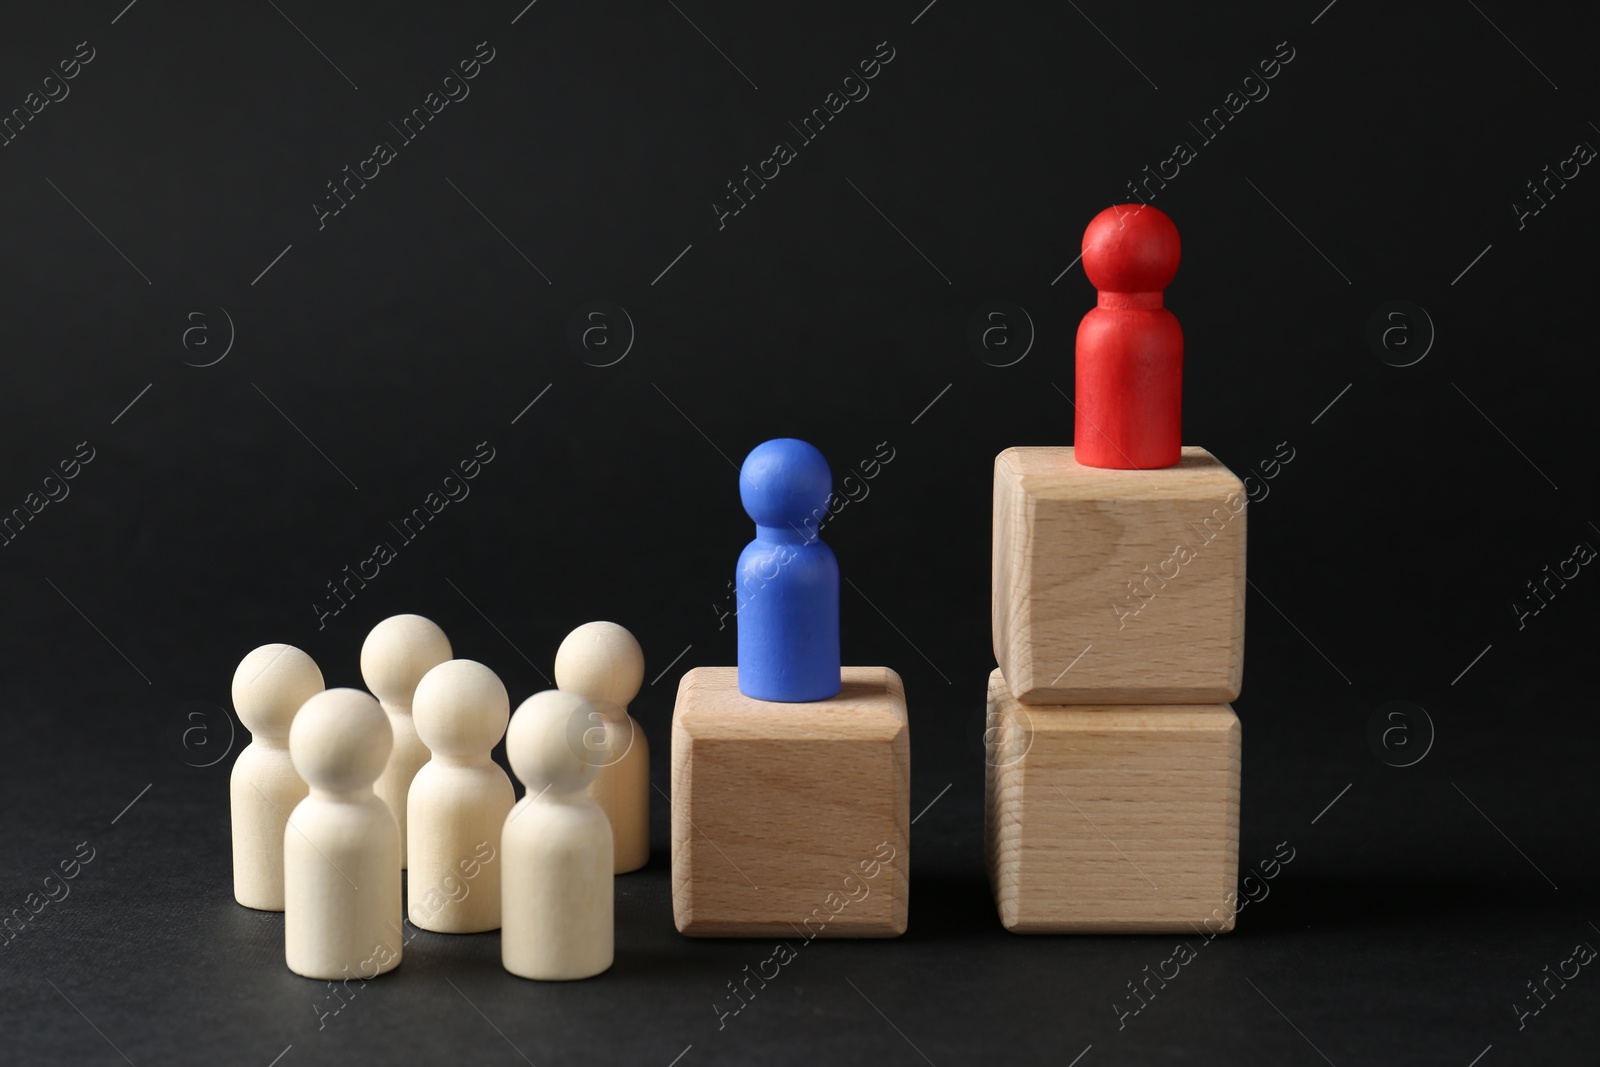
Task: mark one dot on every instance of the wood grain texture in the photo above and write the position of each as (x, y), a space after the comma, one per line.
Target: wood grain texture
(791, 819)
(1105, 820)
(1118, 586)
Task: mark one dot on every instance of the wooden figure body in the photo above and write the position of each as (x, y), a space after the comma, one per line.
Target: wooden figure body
(787, 578)
(1130, 348)
(341, 850)
(602, 662)
(458, 801)
(268, 689)
(394, 657)
(556, 867)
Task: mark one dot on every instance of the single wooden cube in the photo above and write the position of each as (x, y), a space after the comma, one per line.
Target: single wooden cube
(1113, 819)
(791, 819)
(1118, 586)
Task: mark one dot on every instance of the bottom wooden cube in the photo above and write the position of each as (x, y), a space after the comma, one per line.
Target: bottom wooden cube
(790, 819)
(1111, 820)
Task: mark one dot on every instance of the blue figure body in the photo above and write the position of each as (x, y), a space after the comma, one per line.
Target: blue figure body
(787, 580)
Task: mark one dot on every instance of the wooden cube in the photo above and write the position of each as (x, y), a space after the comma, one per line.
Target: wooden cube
(1111, 820)
(790, 819)
(1118, 586)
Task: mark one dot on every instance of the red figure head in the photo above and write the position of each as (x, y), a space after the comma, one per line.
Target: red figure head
(1131, 248)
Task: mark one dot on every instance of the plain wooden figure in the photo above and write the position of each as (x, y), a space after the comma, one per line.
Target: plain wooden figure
(395, 656)
(603, 663)
(268, 688)
(341, 851)
(556, 867)
(458, 800)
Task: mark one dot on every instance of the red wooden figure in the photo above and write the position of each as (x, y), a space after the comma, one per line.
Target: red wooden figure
(1130, 347)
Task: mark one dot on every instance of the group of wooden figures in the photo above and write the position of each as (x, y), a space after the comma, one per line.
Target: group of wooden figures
(339, 791)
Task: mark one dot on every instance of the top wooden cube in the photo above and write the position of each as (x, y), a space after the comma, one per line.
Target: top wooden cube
(1118, 586)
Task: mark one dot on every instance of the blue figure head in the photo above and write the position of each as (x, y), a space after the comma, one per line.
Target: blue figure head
(787, 580)
(785, 484)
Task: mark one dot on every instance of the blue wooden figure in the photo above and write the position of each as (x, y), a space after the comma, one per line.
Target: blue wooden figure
(787, 579)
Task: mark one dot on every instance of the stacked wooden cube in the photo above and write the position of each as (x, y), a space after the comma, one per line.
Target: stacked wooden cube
(1113, 756)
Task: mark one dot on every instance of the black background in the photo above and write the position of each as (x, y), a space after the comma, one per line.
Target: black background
(381, 349)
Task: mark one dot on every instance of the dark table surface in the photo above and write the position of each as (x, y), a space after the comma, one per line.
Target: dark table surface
(262, 387)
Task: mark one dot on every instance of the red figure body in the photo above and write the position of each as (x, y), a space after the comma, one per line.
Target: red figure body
(1130, 347)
